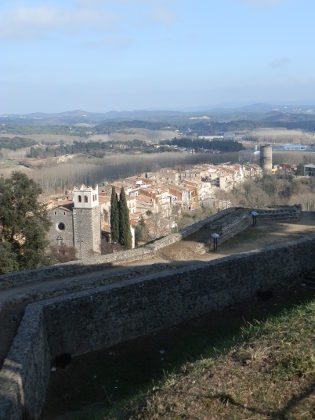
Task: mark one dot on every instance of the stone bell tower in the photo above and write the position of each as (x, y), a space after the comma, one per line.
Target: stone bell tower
(86, 221)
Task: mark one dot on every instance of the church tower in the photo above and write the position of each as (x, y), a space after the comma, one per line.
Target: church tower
(86, 221)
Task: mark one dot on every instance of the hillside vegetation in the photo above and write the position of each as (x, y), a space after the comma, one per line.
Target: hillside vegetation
(255, 361)
(270, 374)
(273, 191)
(15, 143)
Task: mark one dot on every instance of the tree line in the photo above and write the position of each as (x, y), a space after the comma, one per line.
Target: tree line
(92, 148)
(79, 170)
(217, 145)
(14, 143)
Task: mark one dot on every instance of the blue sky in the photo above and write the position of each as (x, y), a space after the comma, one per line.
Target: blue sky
(102, 55)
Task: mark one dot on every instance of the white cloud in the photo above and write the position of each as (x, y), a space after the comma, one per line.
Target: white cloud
(263, 3)
(163, 15)
(280, 62)
(33, 21)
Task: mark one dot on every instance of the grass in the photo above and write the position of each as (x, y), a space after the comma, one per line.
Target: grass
(270, 374)
(211, 368)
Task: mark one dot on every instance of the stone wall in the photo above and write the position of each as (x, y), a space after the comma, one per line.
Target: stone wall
(86, 321)
(57, 236)
(121, 311)
(189, 230)
(281, 213)
(87, 231)
(25, 373)
(96, 263)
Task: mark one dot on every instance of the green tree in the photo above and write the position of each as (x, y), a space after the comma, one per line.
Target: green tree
(8, 259)
(124, 224)
(24, 223)
(114, 216)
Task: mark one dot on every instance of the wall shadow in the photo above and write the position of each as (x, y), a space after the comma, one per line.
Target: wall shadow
(106, 377)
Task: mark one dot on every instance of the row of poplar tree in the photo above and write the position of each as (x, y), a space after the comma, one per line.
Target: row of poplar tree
(119, 219)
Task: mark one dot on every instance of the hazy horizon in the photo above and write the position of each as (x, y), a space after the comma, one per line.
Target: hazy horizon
(124, 55)
(228, 107)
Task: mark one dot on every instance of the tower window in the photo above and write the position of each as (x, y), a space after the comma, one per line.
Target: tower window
(61, 226)
(80, 198)
(86, 200)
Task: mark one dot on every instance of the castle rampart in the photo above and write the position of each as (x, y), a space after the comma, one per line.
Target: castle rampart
(97, 263)
(86, 321)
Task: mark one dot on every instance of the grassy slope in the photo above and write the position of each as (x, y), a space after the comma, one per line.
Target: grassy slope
(220, 366)
(269, 374)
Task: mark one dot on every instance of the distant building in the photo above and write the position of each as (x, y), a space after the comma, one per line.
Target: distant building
(309, 170)
(266, 158)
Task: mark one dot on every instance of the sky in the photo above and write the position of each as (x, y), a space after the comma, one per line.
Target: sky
(101, 55)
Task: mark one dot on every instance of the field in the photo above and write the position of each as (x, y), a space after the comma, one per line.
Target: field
(54, 177)
(293, 158)
(135, 133)
(282, 135)
(120, 135)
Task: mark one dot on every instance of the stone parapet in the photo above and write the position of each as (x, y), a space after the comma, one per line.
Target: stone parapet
(99, 262)
(87, 321)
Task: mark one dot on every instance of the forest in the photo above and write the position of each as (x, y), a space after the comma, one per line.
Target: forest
(199, 144)
(15, 143)
(92, 148)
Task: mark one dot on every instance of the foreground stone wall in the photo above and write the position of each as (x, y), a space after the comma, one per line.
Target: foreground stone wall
(102, 317)
(25, 373)
(91, 320)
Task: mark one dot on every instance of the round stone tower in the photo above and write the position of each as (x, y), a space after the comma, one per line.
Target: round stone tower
(86, 221)
(266, 158)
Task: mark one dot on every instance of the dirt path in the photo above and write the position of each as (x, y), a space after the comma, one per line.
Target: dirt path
(263, 234)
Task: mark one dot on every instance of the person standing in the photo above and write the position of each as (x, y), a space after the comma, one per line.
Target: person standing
(215, 236)
(254, 217)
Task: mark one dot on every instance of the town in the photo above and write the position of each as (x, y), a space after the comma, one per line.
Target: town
(159, 199)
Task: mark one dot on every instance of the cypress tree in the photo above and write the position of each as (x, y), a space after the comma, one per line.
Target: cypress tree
(124, 224)
(114, 216)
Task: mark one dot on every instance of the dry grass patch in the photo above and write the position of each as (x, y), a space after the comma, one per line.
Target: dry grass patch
(269, 376)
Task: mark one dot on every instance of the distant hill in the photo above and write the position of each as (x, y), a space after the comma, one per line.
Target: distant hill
(255, 115)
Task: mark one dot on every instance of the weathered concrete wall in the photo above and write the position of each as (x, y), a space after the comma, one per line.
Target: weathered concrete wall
(102, 317)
